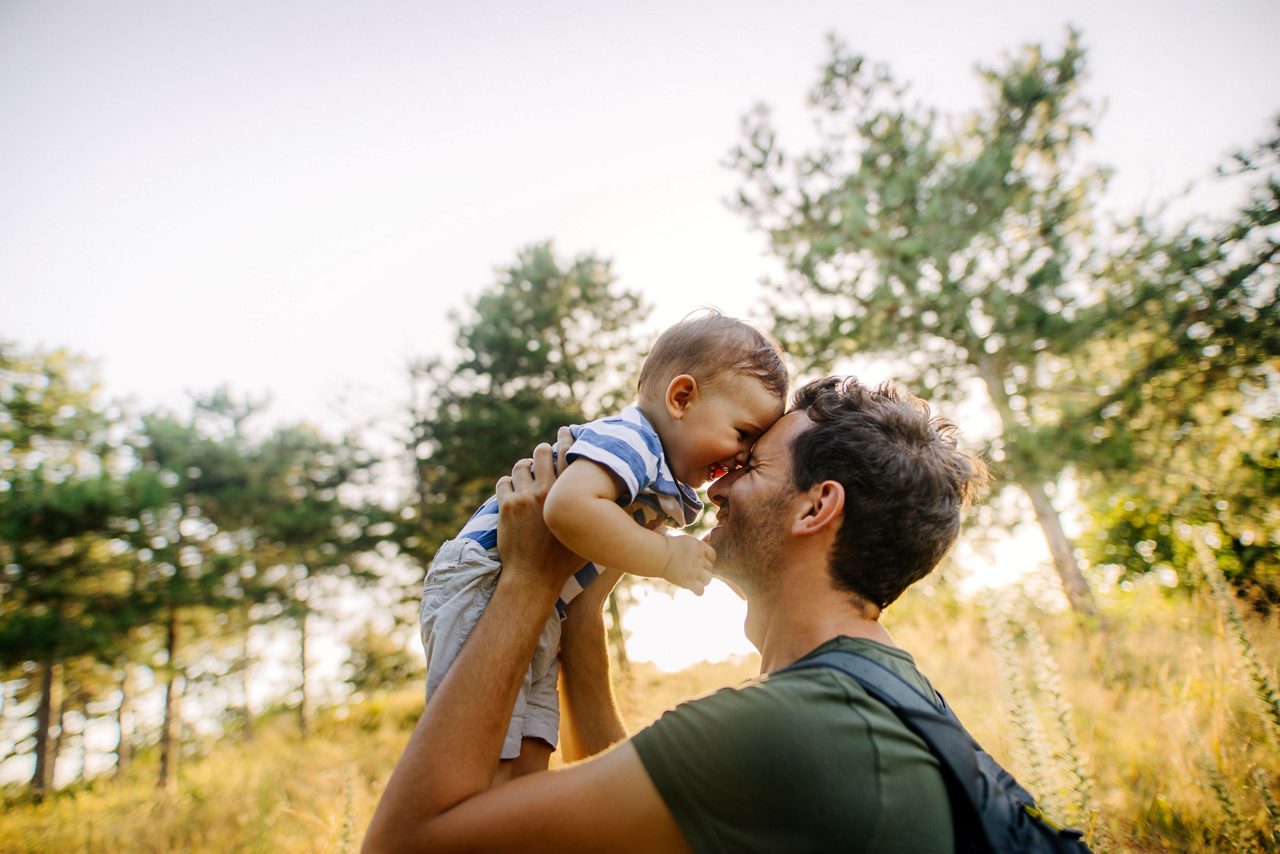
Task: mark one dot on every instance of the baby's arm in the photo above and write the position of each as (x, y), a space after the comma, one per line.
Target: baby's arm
(582, 511)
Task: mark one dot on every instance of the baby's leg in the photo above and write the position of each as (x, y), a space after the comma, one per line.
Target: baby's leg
(455, 593)
(535, 755)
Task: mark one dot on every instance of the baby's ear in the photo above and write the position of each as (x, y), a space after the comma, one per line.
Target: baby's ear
(681, 392)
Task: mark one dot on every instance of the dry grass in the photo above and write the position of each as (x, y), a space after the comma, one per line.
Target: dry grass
(1163, 707)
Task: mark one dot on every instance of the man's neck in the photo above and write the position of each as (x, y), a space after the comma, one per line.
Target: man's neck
(785, 625)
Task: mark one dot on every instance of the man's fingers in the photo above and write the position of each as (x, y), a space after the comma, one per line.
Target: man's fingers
(543, 467)
(522, 473)
(564, 441)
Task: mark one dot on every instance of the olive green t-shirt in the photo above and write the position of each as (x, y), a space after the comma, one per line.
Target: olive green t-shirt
(800, 761)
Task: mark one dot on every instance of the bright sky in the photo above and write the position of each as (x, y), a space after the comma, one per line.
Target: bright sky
(289, 197)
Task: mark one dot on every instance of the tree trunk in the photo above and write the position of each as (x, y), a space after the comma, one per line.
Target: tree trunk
(171, 730)
(46, 712)
(124, 725)
(1064, 557)
(1074, 585)
(304, 723)
(58, 739)
(618, 640)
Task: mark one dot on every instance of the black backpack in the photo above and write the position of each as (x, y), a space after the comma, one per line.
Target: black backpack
(992, 813)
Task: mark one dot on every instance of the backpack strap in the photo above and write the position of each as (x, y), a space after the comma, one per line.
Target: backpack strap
(987, 802)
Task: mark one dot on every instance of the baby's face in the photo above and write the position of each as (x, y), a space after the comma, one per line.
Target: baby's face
(719, 428)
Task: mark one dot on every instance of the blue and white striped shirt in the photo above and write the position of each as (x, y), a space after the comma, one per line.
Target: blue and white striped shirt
(628, 446)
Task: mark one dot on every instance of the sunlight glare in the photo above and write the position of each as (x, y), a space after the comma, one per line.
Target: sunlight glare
(677, 631)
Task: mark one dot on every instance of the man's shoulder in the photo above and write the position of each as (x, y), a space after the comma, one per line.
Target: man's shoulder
(786, 709)
(795, 711)
(892, 658)
(807, 751)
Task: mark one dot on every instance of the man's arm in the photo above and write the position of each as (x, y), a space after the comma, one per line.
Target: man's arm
(589, 720)
(438, 797)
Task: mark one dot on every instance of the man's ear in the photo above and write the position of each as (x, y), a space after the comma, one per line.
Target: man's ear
(681, 391)
(823, 508)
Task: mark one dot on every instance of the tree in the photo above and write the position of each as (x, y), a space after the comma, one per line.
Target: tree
(1186, 430)
(190, 476)
(62, 585)
(379, 660)
(960, 248)
(311, 526)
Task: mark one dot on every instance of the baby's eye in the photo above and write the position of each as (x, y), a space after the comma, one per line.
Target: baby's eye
(742, 436)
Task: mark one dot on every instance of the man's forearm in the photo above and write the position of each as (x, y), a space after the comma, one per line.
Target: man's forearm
(455, 747)
(588, 710)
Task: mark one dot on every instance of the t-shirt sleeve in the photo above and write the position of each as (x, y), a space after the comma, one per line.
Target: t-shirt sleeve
(628, 450)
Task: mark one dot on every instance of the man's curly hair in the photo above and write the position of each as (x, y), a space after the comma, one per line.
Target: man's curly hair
(905, 481)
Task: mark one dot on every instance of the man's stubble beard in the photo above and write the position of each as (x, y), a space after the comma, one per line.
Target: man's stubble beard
(750, 546)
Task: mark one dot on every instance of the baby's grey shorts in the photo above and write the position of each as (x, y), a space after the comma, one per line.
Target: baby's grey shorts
(456, 592)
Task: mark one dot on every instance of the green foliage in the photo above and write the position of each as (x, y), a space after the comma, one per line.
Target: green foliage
(1186, 428)
(57, 499)
(945, 243)
(380, 661)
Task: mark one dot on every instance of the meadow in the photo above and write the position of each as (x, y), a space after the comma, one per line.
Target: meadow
(1154, 729)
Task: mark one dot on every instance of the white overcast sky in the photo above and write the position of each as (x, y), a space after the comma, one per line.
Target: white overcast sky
(288, 197)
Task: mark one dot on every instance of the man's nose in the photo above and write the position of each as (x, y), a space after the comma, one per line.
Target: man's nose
(716, 491)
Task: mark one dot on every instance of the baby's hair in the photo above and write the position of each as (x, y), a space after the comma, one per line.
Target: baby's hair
(709, 345)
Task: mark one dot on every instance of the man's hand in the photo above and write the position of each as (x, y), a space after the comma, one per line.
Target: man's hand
(439, 797)
(524, 541)
(689, 563)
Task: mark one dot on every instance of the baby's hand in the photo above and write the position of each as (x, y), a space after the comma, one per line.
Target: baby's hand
(689, 562)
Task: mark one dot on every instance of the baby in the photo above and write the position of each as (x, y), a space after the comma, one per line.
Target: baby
(710, 387)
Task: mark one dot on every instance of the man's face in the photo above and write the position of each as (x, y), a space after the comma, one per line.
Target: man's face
(754, 504)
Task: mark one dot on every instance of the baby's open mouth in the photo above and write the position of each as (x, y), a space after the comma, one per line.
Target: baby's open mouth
(718, 471)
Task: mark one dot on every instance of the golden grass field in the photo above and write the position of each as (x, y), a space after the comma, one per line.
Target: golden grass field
(1176, 742)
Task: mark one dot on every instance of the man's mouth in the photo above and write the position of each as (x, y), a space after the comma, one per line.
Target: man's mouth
(722, 516)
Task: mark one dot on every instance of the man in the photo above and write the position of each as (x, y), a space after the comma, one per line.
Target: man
(851, 497)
